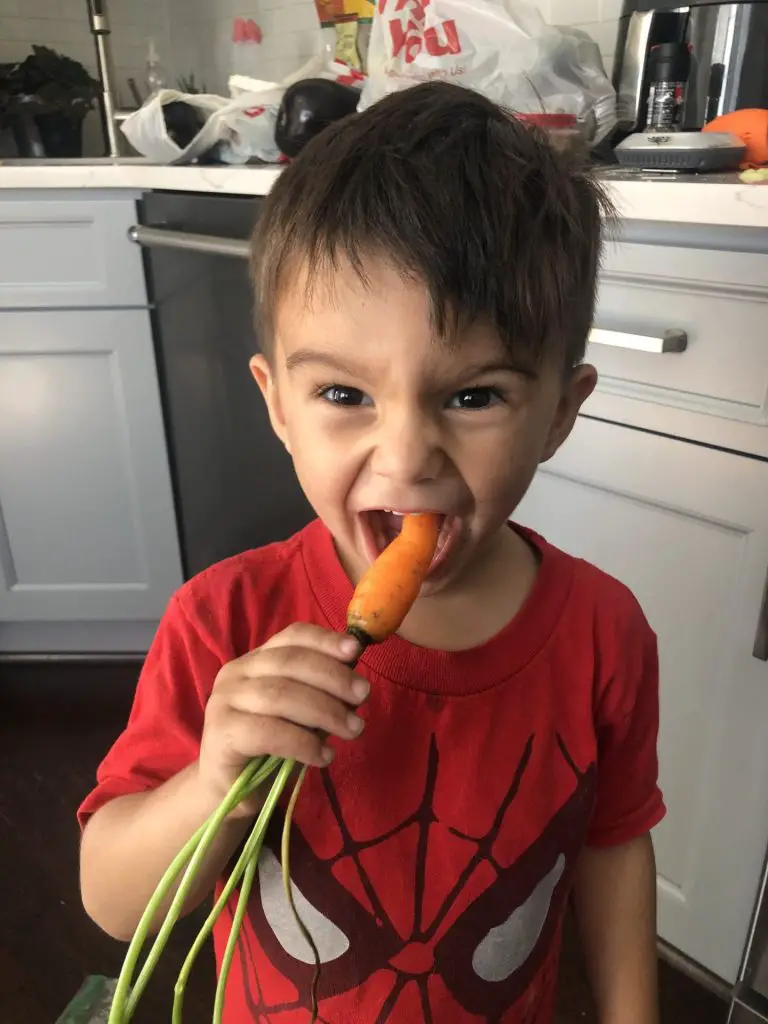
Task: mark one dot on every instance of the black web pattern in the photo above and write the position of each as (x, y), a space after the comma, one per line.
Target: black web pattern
(423, 817)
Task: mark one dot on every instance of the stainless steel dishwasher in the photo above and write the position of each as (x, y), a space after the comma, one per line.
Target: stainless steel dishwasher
(234, 485)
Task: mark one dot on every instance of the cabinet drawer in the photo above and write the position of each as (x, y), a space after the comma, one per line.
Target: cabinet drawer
(719, 300)
(69, 252)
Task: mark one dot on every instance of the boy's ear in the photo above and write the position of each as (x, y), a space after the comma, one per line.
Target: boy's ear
(264, 377)
(576, 390)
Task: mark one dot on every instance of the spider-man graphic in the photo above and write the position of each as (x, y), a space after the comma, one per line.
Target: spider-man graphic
(463, 934)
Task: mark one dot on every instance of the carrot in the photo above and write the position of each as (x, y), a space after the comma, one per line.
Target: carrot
(384, 595)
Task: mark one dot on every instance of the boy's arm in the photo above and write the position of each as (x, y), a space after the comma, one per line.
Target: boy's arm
(128, 844)
(615, 883)
(615, 901)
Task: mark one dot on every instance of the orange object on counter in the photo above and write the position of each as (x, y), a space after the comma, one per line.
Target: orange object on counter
(384, 595)
(751, 125)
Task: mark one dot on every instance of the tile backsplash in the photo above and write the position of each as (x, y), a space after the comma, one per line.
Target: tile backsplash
(196, 35)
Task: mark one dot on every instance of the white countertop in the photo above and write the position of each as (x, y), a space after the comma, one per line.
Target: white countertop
(709, 199)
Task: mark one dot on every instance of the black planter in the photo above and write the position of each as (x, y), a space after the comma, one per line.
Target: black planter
(60, 135)
(47, 135)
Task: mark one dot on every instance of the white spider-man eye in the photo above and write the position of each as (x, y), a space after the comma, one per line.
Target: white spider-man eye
(506, 947)
(331, 942)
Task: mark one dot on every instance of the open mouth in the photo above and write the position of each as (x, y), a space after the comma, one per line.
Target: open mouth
(381, 526)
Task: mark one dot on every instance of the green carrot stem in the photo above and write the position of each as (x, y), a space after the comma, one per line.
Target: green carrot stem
(125, 1001)
(251, 848)
(229, 952)
(118, 1012)
(262, 823)
(285, 858)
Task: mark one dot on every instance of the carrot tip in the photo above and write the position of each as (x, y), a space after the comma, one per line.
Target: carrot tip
(386, 592)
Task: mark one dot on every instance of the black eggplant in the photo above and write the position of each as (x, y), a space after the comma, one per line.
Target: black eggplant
(182, 121)
(307, 108)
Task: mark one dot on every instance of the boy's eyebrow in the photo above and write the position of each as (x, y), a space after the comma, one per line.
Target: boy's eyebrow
(308, 357)
(505, 365)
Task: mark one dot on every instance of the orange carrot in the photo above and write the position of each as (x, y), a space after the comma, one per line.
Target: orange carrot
(384, 595)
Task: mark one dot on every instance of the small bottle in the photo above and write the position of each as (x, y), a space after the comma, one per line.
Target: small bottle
(670, 67)
(155, 72)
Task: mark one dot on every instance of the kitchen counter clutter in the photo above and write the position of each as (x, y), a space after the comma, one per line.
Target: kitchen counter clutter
(687, 199)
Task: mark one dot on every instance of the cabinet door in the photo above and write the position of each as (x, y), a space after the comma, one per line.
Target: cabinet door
(686, 528)
(87, 525)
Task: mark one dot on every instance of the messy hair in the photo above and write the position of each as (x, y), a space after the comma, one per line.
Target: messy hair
(457, 194)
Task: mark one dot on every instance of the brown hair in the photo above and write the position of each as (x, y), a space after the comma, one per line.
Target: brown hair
(456, 193)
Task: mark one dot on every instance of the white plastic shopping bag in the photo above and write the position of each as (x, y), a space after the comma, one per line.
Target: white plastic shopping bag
(233, 130)
(147, 132)
(503, 49)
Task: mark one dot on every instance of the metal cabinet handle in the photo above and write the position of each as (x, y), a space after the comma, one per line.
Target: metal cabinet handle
(210, 245)
(760, 650)
(673, 340)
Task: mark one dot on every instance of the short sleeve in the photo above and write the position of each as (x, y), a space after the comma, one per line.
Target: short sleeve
(629, 801)
(163, 732)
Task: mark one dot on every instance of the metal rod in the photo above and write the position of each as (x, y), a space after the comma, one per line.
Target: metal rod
(694, 971)
(211, 245)
(98, 19)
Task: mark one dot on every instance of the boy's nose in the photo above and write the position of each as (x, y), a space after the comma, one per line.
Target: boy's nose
(408, 449)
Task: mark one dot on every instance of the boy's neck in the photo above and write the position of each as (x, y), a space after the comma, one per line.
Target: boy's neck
(480, 605)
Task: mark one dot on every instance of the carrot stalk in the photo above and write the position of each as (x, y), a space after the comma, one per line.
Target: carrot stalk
(285, 860)
(261, 825)
(380, 603)
(250, 851)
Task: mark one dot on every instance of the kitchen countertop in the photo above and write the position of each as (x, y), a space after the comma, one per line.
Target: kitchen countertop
(707, 199)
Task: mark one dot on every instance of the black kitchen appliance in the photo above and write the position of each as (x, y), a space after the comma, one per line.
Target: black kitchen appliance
(728, 46)
(234, 484)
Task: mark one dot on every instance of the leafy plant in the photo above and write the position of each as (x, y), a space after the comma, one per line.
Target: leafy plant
(47, 82)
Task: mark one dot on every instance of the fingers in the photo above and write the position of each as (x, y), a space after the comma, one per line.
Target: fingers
(310, 655)
(283, 699)
(250, 735)
(305, 634)
(294, 701)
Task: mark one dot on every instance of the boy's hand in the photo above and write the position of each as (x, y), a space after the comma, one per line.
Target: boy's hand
(281, 699)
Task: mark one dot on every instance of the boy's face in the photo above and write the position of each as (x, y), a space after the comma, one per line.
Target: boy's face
(381, 416)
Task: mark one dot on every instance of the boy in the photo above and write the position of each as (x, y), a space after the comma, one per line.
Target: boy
(425, 276)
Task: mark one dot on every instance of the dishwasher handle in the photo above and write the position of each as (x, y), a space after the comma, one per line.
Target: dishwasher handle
(209, 245)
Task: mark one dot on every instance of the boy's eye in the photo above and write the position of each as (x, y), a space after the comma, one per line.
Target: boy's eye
(338, 394)
(474, 398)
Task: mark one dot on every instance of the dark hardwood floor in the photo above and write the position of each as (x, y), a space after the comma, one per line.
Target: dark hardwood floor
(56, 722)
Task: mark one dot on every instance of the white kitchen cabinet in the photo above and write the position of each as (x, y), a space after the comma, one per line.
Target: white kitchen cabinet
(686, 528)
(87, 524)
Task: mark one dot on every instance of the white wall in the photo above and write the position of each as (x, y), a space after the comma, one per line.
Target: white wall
(202, 38)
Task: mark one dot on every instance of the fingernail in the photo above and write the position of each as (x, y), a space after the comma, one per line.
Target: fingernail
(355, 724)
(349, 647)
(327, 755)
(360, 689)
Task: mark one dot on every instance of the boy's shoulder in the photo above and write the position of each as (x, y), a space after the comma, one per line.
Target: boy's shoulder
(241, 600)
(593, 592)
(254, 566)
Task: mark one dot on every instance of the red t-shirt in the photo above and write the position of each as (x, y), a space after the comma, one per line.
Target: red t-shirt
(433, 860)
